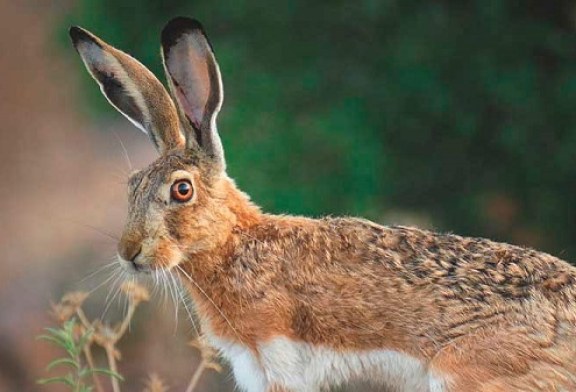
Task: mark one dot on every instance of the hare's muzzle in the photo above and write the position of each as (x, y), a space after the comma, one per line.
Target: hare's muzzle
(129, 251)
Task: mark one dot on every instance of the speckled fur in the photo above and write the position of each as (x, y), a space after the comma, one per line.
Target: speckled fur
(483, 316)
(350, 284)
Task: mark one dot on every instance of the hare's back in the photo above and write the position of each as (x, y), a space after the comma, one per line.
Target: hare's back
(461, 267)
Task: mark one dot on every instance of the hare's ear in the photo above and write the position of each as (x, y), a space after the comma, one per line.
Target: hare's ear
(131, 88)
(194, 79)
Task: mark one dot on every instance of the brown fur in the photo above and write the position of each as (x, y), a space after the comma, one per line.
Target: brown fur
(491, 316)
(487, 313)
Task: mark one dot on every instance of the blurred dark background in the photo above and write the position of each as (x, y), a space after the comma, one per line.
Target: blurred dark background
(452, 115)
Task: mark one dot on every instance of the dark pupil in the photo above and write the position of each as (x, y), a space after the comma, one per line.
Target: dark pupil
(183, 188)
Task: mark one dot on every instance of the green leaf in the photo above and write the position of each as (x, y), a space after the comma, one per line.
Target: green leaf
(107, 372)
(54, 380)
(84, 338)
(51, 339)
(57, 331)
(63, 338)
(61, 334)
(84, 372)
(62, 361)
(71, 349)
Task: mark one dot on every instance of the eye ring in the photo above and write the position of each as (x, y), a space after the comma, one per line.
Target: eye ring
(181, 191)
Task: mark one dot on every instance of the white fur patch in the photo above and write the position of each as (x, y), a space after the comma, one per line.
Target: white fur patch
(302, 367)
(248, 373)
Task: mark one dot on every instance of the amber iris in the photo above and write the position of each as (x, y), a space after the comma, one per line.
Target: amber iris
(181, 190)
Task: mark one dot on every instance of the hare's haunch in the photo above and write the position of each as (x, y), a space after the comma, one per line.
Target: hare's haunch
(297, 304)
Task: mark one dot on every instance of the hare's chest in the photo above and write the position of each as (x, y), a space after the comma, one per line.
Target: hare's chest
(298, 366)
(248, 372)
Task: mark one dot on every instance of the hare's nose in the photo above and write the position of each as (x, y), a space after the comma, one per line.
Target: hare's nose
(129, 250)
(134, 254)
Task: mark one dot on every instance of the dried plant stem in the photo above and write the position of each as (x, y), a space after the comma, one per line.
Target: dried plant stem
(85, 333)
(125, 323)
(90, 362)
(88, 350)
(110, 343)
(83, 319)
(196, 376)
(110, 354)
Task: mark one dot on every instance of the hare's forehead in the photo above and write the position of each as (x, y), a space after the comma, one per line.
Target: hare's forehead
(144, 180)
(158, 173)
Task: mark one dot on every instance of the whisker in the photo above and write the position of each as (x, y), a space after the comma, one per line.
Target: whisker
(182, 294)
(117, 276)
(126, 156)
(175, 298)
(210, 300)
(99, 231)
(164, 287)
(126, 307)
(91, 227)
(155, 290)
(124, 277)
(118, 284)
(99, 270)
(166, 284)
(112, 275)
(159, 287)
(170, 289)
(120, 178)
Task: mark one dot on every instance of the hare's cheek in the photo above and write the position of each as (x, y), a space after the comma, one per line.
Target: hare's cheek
(173, 225)
(181, 224)
(168, 255)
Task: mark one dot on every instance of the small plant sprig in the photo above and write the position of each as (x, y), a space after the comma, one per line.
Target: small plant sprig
(73, 339)
(77, 335)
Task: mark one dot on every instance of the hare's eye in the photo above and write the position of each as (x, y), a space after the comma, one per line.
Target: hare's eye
(181, 190)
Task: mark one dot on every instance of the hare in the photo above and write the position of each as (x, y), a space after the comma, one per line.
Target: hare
(299, 304)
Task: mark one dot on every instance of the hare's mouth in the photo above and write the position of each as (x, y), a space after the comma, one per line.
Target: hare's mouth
(138, 265)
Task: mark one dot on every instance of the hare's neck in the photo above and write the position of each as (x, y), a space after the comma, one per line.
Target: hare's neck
(226, 282)
(207, 274)
(281, 267)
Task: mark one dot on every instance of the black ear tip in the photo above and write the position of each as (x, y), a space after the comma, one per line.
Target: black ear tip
(78, 34)
(178, 26)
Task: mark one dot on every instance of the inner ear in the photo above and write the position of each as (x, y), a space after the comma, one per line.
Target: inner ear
(117, 95)
(131, 88)
(194, 79)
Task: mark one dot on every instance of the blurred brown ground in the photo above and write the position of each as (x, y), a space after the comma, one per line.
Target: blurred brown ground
(61, 188)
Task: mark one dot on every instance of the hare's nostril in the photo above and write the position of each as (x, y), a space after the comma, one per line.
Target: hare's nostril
(135, 255)
(129, 258)
(129, 251)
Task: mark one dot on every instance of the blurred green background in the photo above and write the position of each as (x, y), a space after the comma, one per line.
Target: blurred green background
(462, 111)
(451, 115)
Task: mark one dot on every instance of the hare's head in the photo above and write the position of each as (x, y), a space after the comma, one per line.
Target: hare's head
(180, 204)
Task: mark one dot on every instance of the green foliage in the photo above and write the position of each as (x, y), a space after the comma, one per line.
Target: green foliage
(360, 107)
(73, 340)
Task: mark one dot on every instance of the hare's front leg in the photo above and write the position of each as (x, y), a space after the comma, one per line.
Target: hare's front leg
(248, 373)
(250, 376)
